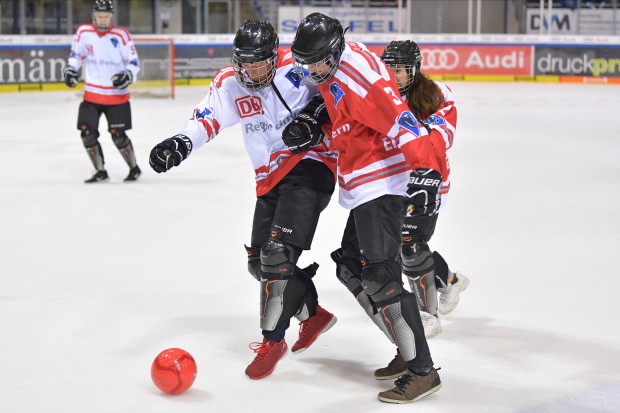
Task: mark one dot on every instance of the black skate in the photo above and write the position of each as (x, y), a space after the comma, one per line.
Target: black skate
(98, 177)
(134, 173)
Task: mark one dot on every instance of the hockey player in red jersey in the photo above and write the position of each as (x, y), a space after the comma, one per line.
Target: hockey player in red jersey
(111, 66)
(262, 92)
(426, 271)
(383, 152)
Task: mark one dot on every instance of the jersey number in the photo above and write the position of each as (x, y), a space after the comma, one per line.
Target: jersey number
(390, 92)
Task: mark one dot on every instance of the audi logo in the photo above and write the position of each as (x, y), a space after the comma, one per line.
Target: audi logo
(440, 59)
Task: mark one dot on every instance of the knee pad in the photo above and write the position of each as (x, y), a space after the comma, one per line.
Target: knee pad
(253, 261)
(416, 258)
(348, 270)
(89, 138)
(382, 281)
(277, 259)
(120, 138)
(349, 273)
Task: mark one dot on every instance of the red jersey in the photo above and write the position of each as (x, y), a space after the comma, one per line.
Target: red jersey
(442, 125)
(377, 138)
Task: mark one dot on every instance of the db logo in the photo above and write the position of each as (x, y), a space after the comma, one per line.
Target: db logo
(249, 106)
(440, 58)
(90, 50)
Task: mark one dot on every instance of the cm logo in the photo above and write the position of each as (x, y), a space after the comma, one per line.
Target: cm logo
(248, 106)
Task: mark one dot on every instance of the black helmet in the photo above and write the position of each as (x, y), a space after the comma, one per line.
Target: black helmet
(318, 38)
(255, 42)
(404, 53)
(102, 6)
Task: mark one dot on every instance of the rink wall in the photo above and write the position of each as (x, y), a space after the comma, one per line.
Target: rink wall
(34, 62)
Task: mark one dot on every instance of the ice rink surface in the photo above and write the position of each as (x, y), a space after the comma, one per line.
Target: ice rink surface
(95, 280)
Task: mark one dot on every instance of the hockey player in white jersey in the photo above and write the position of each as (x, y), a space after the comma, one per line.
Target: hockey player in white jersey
(111, 65)
(262, 92)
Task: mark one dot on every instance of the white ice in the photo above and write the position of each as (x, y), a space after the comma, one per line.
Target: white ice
(95, 280)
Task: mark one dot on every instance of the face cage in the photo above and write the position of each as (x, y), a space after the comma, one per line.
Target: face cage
(317, 79)
(411, 72)
(266, 70)
(102, 28)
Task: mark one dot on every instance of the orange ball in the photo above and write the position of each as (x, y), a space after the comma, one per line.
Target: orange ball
(173, 371)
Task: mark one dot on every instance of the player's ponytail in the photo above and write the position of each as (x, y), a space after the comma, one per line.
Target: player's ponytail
(424, 97)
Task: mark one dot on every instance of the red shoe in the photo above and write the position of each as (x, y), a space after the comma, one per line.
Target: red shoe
(268, 353)
(310, 329)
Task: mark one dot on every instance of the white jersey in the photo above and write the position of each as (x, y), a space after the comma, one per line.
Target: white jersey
(262, 115)
(105, 54)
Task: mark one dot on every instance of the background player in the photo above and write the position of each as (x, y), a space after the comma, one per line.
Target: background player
(111, 65)
(426, 272)
(262, 88)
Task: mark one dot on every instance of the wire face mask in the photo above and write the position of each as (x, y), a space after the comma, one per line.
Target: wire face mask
(318, 72)
(254, 75)
(403, 70)
(255, 54)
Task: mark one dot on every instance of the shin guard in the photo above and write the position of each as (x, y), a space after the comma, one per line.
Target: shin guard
(403, 320)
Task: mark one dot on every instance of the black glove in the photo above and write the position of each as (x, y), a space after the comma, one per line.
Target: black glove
(122, 79)
(171, 152)
(70, 75)
(302, 133)
(423, 192)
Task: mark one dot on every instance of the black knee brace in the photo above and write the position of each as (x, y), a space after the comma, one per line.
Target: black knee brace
(382, 281)
(283, 294)
(89, 138)
(277, 259)
(120, 138)
(417, 259)
(348, 270)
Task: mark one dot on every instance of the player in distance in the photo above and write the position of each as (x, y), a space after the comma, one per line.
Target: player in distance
(111, 66)
(383, 152)
(426, 271)
(262, 92)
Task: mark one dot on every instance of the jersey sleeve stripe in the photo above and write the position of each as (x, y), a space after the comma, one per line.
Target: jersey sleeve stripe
(222, 74)
(85, 30)
(355, 75)
(122, 31)
(369, 58)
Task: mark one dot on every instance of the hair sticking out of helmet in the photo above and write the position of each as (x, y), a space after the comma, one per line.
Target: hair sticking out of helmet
(255, 54)
(403, 55)
(102, 14)
(317, 47)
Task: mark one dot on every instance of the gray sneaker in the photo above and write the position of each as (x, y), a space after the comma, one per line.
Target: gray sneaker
(396, 368)
(411, 387)
(449, 297)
